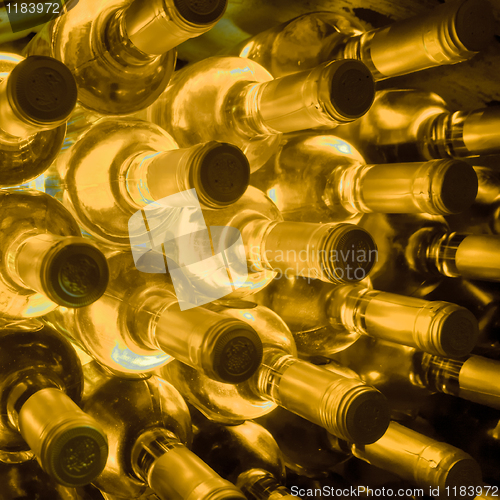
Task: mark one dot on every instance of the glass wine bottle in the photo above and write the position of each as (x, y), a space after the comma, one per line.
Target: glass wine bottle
(123, 53)
(149, 431)
(448, 34)
(45, 260)
(37, 96)
(413, 125)
(120, 166)
(321, 178)
(343, 406)
(327, 318)
(137, 325)
(236, 100)
(41, 382)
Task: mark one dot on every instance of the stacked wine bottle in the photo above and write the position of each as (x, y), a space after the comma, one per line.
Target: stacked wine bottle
(254, 276)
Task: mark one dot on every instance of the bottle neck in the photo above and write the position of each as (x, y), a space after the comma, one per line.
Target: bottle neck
(225, 349)
(331, 94)
(173, 472)
(317, 251)
(435, 327)
(68, 270)
(470, 256)
(420, 187)
(473, 379)
(258, 484)
(451, 33)
(343, 406)
(420, 459)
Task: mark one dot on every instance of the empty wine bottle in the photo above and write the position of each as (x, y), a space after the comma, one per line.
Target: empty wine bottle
(37, 96)
(236, 100)
(137, 325)
(123, 53)
(449, 34)
(397, 370)
(40, 377)
(412, 125)
(149, 431)
(138, 163)
(321, 178)
(327, 318)
(245, 454)
(343, 406)
(429, 464)
(46, 262)
(416, 252)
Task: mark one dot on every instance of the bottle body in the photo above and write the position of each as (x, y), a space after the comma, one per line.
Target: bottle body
(29, 146)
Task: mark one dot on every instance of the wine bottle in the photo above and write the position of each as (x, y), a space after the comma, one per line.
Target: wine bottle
(149, 431)
(137, 325)
(343, 406)
(327, 318)
(45, 262)
(138, 164)
(396, 370)
(41, 382)
(236, 100)
(429, 464)
(321, 178)
(122, 53)
(245, 454)
(417, 252)
(413, 125)
(449, 34)
(37, 95)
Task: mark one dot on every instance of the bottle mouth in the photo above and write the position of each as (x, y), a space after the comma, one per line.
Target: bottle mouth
(75, 452)
(237, 354)
(201, 11)
(76, 275)
(223, 175)
(474, 24)
(352, 89)
(43, 90)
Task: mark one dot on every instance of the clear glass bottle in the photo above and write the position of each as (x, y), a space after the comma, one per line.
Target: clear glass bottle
(416, 252)
(327, 318)
(335, 253)
(396, 369)
(123, 53)
(236, 100)
(414, 125)
(41, 382)
(427, 463)
(45, 261)
(245, 454)
(341, 405)
(321, 178)
(118, 167)
(149, 431)
(449, 34)
(137, 325)
(37, 96)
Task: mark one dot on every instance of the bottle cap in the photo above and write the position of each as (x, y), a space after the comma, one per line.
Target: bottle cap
(224, 173)
(43, 89)
(474, 24)
(201, 11)
(455, 184)
(352, 88)
(349, 253)
(366, 414)
(76, 275)
(237, 354)
(454, 331)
